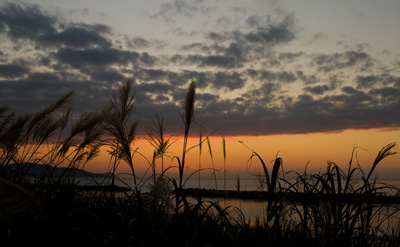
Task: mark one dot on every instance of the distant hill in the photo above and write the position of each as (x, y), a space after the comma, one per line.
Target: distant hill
(36, 170)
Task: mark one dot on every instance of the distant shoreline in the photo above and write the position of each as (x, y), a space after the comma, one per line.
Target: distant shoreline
(290, 196)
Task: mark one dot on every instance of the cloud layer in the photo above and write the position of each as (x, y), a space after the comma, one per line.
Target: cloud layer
(249, 79)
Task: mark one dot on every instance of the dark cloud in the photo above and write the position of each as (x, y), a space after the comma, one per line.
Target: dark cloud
(305, 105)
(233, 49)
(41, 89)
(156, 87)
(169, 11)
(349, 59)
(230, 81)
(397, 82)
(151, 74)
(219, 61)
(142, 43)
(373, 81)
(366, 81)
(108, 75)
(273, 33)
(102, 57)
(231, 59)
(207, 98)
(218, 80)
(307, 79)
(218, 37)
(335, 82)
(282, 77)
(43, 77)
(253, 21)
(262, 95)
(261, 35)
(80, 36)
(159, 75)
(356, 98)
(288, 57)
(193, 46)
(349, 90)
(306, 113)
(266, 75)
(228, 57)
(11, 71)
(319, 90)
(138, 42)
(26, 21)
(386, 95)
(202, 78)
(23, 21)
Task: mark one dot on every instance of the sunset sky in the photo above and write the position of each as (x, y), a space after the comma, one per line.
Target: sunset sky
(307, 80)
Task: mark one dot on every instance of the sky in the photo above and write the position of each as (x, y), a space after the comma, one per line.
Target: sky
(295, 70)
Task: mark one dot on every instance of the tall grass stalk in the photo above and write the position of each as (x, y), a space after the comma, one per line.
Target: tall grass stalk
(224, 153)
(334, 210)
(274, 206)
(85, 148)
(119, 124)
(383, 153)
(212, 162)
(156, 137)
(41, 138)
(21, 137)
(187, 117)
(237, 184)
(200, 148)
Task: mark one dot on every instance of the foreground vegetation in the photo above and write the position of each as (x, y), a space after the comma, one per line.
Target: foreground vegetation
(339, 207)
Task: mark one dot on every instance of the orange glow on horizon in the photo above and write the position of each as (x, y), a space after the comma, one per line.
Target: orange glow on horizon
(296, 151)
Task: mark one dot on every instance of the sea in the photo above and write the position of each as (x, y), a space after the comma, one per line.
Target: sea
(250, 209)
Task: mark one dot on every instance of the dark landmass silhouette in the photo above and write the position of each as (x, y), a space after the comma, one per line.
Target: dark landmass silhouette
(36, 170)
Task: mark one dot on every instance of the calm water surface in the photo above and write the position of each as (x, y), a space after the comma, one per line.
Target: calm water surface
(250, 208)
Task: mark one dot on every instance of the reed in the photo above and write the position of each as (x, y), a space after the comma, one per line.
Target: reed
(200, 148)
(274, 201)
(224, 154)
(237, 184)
(118, 123)
(21, 137)
(212, 162)
(336, 211)
(187, 117)
(156, 137)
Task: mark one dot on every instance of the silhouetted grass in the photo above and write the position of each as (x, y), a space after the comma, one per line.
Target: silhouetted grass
(330, 208)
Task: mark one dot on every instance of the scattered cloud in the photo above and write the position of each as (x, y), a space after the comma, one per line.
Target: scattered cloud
(307, 79)
(249, 81)
(280, 76)
(272, 33)
(349, 59)
(318, 90)
(169, 11)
